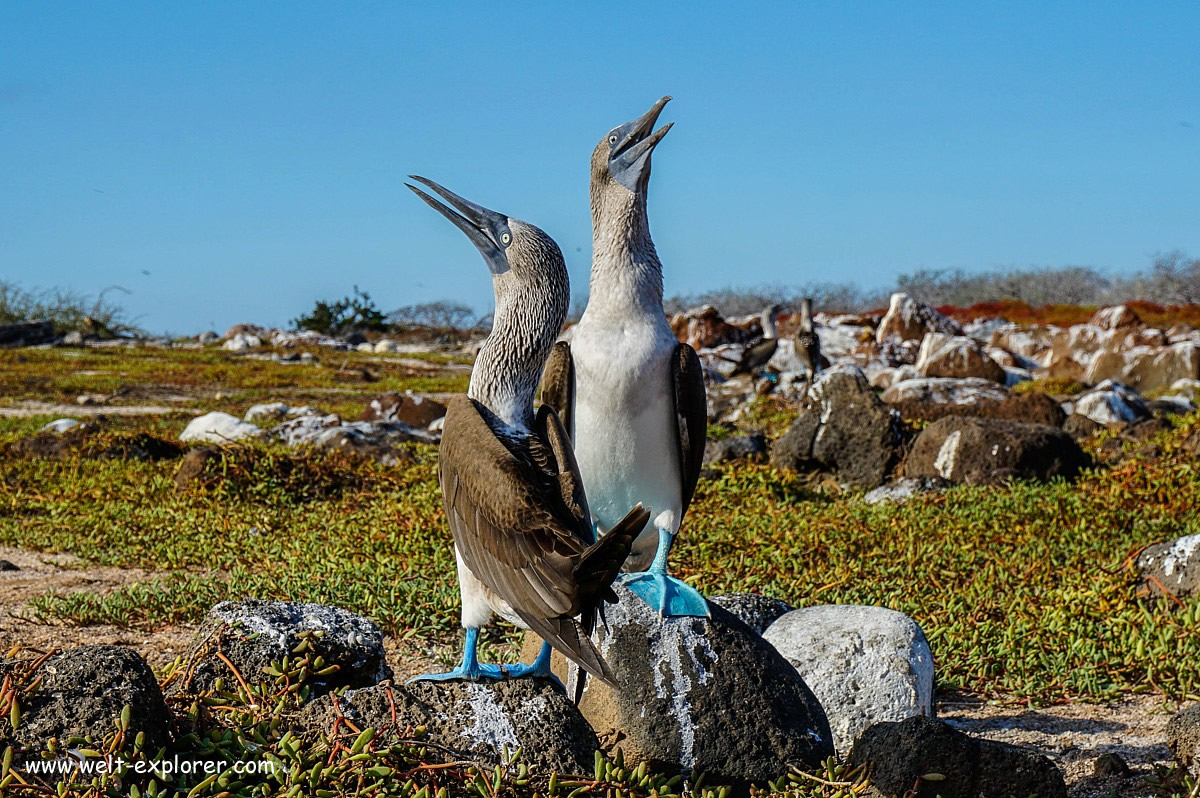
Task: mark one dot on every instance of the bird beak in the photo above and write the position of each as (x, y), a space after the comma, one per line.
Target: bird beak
(480, 224)
(629, 158)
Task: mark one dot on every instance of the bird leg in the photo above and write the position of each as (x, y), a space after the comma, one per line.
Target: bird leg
(471, 668)
(539, 667)
(662, 592)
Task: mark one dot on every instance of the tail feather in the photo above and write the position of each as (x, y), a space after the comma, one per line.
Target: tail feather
(600, 563)
(568, 637)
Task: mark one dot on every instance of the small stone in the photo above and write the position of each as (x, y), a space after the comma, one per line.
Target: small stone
(8, 565)
(60, 425)
(218, 427)
(1183, 738)
(1110, 764)
(904, 489)
(1172, 567)
(738, 447)
(407, 408)
(73, 338)
(270, 411)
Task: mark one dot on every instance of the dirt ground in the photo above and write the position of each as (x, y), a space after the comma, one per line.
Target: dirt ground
(1073, 735)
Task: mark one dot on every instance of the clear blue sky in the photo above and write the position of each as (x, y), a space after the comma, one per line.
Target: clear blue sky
(251, 156)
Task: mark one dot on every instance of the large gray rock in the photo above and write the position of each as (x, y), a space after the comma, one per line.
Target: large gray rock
(376, 439)
(478, 720)
(1183, 738)
(945, 390)
(842, 428)
(902, 758)
(979, 450)
(738, 447)
(865, 664)
(218, 427)
(956, 356)
(82, 693)
(254, 635)
(699, 695)
(1172, 567)
(407, 408)
(909, 320)
(1111, 402)
(753, 609)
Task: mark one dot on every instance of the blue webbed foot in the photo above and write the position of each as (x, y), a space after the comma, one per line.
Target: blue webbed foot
(667, 595)
(476, 674)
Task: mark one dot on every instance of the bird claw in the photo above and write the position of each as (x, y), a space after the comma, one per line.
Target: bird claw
(477, 673)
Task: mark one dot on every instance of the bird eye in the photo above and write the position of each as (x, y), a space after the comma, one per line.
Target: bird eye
(612, 139)
(505, 238)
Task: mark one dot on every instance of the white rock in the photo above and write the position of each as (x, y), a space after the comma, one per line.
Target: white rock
(945, 390)
(207, 337)
(866, 665)
(902, 489)
(1111, 402)
(60, 425)
(241, 342)
(437, 424)
(217, 427)
(269, 411)
(1189, 389)
(385, 345)
(365, 346)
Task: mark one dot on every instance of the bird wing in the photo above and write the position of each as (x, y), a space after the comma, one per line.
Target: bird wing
(519, 525)
(558, 384)
(691, 414)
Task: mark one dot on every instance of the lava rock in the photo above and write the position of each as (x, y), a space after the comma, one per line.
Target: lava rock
(218, 427)
(255, 634)
(739, 447)
(844, 428)
(902, 756)
(193, 469)
(142, 447)
(407, 408)
(1080, 427)
(909, 320)
(945, 390)
(83, 693)
(753, 609)
(1111, 402)
(477, 720)
(9, 565)
(699, 695)
(268, 411)
(1183, 738)
(1111, 764)
(1030, 408)
(375, 439)
(865, 664)
(976, 450)
(704, 328)
(1172, 568)
(27, 333)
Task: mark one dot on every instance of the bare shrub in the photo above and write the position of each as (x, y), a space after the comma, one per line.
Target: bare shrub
(71, 311)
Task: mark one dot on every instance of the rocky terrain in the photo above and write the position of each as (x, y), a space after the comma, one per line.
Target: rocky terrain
(987, 530)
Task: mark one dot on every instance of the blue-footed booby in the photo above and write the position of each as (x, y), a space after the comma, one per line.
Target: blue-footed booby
(632, 395)
(808, 345)
(760, 349)
(523, 536)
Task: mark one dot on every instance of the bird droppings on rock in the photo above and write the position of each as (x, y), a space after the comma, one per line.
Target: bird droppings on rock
(255, 636)
(753, 609)
(976, 450)
(1171, 568)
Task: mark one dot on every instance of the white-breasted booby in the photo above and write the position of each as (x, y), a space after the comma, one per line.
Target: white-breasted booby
(514, 499)
(630, 393)
(761, 348)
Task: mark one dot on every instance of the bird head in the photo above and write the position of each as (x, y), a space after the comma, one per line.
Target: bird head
(515, 252)
(622, 158)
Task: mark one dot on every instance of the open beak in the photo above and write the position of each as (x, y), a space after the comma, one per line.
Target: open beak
(479, 223)
(629, 157)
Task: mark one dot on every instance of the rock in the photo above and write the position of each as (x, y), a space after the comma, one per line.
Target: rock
(976, 450)
(60, 425)
(1080, 427)
(73, 338)
(142, 447)
(376, 439)
(904, 489)
(1188, 389)
(1031, 408)
(241, 342)
(1115, 317)
(407, 408)
(753, 609)
(255, 634)
(1111, 764)
(1065, 367)
(1110, 403)
(9, 565)
(704, 328)
(864, 664)
(945, 390)
(207, 337)
(385, 345)
(1183, 738)
(909, 320)
(842, 428)
(699, 695)
(91, 399)
(1162, 367)
(364, 346)
(83, 692)
(1172, 567)
(956, 356)
(477, 719)
(270, 411)
(739, 447)
(355, 339)
(27, 333)
(901, 757)
(887, 377)
(218, 427)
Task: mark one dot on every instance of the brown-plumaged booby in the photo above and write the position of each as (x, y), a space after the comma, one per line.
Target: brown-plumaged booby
(632, 395)
(807, 344)
(514, 499)
(761, 348)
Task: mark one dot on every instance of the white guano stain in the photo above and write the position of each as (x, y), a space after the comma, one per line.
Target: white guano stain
(947, 456)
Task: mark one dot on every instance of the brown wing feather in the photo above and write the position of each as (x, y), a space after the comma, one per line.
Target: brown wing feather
(558, 385)
(691, 413)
